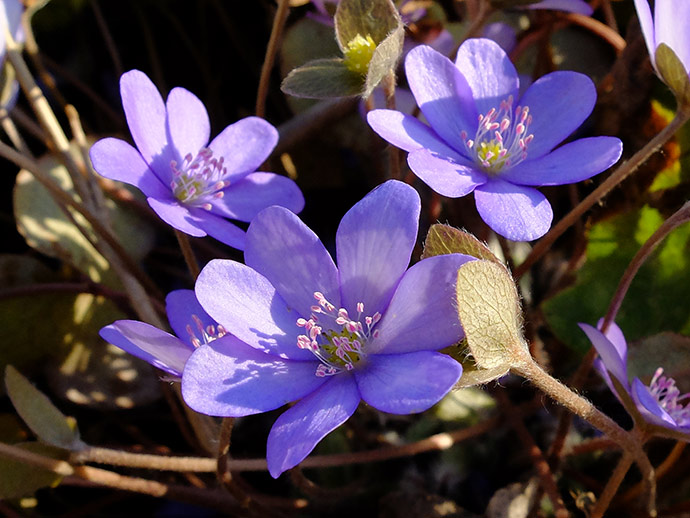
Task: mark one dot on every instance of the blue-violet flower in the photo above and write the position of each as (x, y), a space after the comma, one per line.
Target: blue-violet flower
(327, 337)
(660, 402)
(666, 26)
(188, 320)
(191, 184)
(483, 137)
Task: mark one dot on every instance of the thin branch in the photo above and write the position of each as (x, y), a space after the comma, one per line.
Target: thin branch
(271, 51)
(612, 486)
(57, 466)
(620, 174)
(188, 253)
(144, 460)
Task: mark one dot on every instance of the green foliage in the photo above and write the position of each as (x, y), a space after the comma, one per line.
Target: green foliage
(444, 239)
(355, 20)
(673, 73)
(47, 229)
(657, 298)
(489, 309)
(37, 411)
(670, 351)
(18, 479)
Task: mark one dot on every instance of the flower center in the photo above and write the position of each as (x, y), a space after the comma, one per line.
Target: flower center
(501, 140)
(205, 334)
(198, 180)
(358, 53)
(669, 397)
(334, 338)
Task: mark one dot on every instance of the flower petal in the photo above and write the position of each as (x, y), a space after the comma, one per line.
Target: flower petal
(116, 159)
(609, 353)
(490, 74)
(246, 304)
(295, 433)
(442, 93)
(244, 199)
(245, 145)
(515, 212)
(668, 30)
(644, 15)
(374, 244)
(149, 343)
(570, 6)
(450, 175)
(649, 407)
(177, 216)
(407, 383)
(570, 163)
(285, 251)
(182, 307)
(188, 125)
(406, 132)
(145, 113)
(219, 228)
(422, 314)
(559, 103)
(229, 378)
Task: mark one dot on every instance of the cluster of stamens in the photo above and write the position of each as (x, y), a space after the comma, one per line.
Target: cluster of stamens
(337, 340)
(669, 397)
(502, 138)
(198, 180)
(205, 334)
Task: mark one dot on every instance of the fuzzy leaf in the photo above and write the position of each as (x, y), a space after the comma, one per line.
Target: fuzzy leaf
(39, 413)
(673, 73)
(375, 18)
(444, 239)
(323, 79)
(18, 479)
(46, 228)
(489, 311)
(384, 60)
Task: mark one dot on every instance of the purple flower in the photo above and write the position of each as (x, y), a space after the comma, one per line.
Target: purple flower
(190, 184)
(660, 402)
(326, 336)
(483, 137)
(667, 26)
(167, 352)
(570, 6)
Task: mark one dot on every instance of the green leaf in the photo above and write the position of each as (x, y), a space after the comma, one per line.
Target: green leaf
(375, 18)
(444, 239)
(37, 411)
(46, 228)
(18, 479)
(384, 60)
(657, 298)
(489, 311)
(673, 73)
(323, 79)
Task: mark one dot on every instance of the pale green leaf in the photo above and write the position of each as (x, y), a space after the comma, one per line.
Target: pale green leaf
(673, 73)
(375, 18)
(39, 413)
(323, 79)
(444, 239)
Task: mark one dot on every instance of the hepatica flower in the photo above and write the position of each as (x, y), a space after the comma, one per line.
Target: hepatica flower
(326, 336)
(483, 137)
(666, 26)
(188, 320)
(191, 184)
(660, 402)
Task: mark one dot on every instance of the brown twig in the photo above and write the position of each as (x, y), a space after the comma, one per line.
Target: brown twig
(271, 51)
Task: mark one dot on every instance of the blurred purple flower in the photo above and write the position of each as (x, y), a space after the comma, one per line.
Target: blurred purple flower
(483, 137)
(660, 402)
(327, 336)
(570, 6)
(666, 26)
(188, 320)
(10, 20)
(190, 184)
